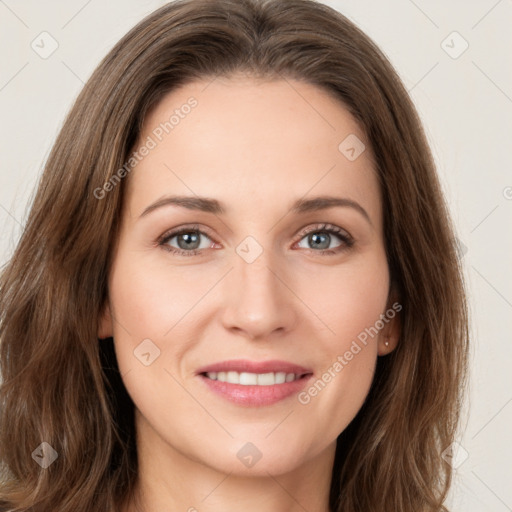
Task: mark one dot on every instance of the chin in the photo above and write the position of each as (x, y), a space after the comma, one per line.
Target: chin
(259, 458)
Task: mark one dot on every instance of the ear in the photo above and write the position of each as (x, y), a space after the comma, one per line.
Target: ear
(390, 333)
(105, 324)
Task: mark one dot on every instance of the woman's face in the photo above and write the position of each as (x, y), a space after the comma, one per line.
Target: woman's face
(280, 274)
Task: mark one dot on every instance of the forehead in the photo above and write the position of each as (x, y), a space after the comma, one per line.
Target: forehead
(251, 142)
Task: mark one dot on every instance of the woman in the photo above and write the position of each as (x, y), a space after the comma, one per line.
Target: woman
(238, 283)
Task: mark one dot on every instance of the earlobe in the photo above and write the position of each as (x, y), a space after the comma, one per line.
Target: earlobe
(388, 341)
(105, 329)
(387, 345)
(390, 335)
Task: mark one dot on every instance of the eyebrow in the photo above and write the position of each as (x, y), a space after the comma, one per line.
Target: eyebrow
(208, 205)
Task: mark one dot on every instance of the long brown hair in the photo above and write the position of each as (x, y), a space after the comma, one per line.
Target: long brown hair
(62, 387)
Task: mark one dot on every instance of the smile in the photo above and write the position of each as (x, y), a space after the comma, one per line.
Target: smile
(255, 383)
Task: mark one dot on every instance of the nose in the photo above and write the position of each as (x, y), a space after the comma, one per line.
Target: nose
(259, 299)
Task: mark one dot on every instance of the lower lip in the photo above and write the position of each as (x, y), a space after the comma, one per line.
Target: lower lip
(256, 395)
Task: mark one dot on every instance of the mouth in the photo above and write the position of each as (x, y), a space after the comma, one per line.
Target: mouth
(255, 383)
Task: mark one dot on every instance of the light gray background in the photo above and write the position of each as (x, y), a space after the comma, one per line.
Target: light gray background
(466, 105)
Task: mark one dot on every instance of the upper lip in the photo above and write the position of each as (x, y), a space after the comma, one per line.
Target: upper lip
(244, 365)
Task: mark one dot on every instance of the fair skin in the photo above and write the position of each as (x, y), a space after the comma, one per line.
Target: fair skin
(256, 147)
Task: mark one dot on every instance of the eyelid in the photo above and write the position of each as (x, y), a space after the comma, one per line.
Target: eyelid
(185, 228)
(325, 226)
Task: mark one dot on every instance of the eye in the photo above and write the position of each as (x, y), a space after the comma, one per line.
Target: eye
(321, 236)
(187, 239)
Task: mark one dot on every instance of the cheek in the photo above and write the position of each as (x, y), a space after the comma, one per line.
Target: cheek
(348, 298)
(149, 298)
(350, 303)
(150, 306)
(167, 305)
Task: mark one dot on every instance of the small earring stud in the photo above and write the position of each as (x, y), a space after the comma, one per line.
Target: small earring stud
(386, 343)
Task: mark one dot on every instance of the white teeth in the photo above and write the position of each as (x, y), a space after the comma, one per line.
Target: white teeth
(248, 379)
(266, 379)
(253, 379)
(233, 377)
(281, 377)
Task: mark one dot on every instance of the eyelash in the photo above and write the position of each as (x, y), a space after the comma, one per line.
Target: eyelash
(347, 240)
